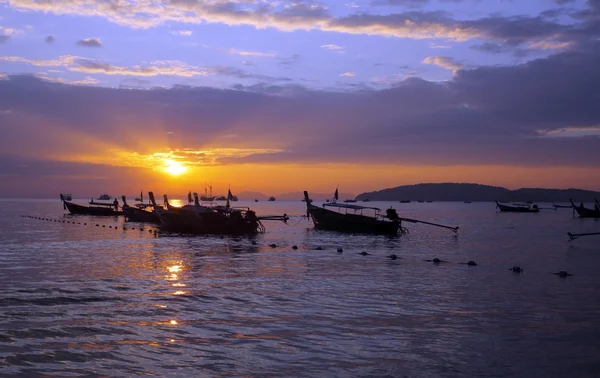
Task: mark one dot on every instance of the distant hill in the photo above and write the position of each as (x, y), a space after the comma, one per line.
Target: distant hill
(476, 192)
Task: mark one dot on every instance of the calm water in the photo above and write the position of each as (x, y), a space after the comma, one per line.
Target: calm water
(92, 301)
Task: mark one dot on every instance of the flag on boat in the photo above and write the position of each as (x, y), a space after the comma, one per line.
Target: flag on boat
(190, 197)
(229, 197)
(335, 196)
(141, 196)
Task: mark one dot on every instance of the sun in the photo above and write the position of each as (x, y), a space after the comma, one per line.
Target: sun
(174, 168)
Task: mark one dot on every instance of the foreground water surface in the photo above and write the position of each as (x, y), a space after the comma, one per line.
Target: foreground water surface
(86, 300)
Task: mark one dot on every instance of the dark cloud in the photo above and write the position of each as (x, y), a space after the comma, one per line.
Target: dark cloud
(489, 115)
(408, 3)
(90, 42)
(49, 39)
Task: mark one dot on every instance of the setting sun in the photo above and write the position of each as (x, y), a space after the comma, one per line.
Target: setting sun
(174, 168)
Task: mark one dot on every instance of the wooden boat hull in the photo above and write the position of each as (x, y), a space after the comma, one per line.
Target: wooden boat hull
(133, 214)
(325, 219)
(91, 210)
(213, 222)
(585, 212)
(516, 209)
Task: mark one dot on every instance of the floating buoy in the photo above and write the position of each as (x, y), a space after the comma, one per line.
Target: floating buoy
(471, 263)
(516, 269)
(393, 257)
(253, 242)
(319, 248)
(272, 245)
(294, 247)
(364, 253)
(340, 250)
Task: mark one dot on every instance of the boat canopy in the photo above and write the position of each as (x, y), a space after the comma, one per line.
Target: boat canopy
(349, 206)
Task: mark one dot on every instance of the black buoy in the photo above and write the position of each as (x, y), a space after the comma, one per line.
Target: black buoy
(294, 247)
(471, 263)
(340, 250)
(273, 245)
(253, 242)
(319, 248)
(364, 253)
(516, 269)
(562, 273)
(435, 260)
(393, 256)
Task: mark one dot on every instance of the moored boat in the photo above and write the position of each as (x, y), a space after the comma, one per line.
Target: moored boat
(356, 222)
(516, 208)
(271, 199)
(100, 209)
(585, 212)
(142, 213)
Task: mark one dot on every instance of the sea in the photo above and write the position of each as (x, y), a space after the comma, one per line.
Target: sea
(88, 296)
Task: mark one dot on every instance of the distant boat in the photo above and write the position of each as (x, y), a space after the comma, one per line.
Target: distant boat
(404, 201)
(104, 197)
(255, 200)
(421, 201)
(207, 197)
(517, 208)
(221, 198)
(428, 201)
(470, 202)
(562, 206)
(271, 199)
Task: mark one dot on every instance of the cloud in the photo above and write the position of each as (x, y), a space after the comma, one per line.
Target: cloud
(348, 74)
(252, 53)
(445, 62)
(186, 33)
(497, 115)
(90, 42)
(288, 16)
(87, 81)
(156, 68)
(332, 47)
(49, 39)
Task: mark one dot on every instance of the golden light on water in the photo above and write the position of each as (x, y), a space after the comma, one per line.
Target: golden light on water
(173, 322)
(174, 168)
(175, 268)
(179, 292)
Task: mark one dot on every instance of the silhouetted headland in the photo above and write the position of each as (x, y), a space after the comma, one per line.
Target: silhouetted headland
(477, 192)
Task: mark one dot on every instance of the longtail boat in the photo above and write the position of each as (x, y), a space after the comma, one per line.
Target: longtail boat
(516, 208)
(139, 213)
(355, 222)
(100, 209)
(585, 212)
(202, 220)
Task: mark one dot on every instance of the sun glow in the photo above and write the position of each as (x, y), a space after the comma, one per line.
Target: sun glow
(174, 168)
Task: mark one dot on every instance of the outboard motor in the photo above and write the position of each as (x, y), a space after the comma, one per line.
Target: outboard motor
(392, 214)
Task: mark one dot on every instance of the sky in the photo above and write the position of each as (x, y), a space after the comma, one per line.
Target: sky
(119, 96)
